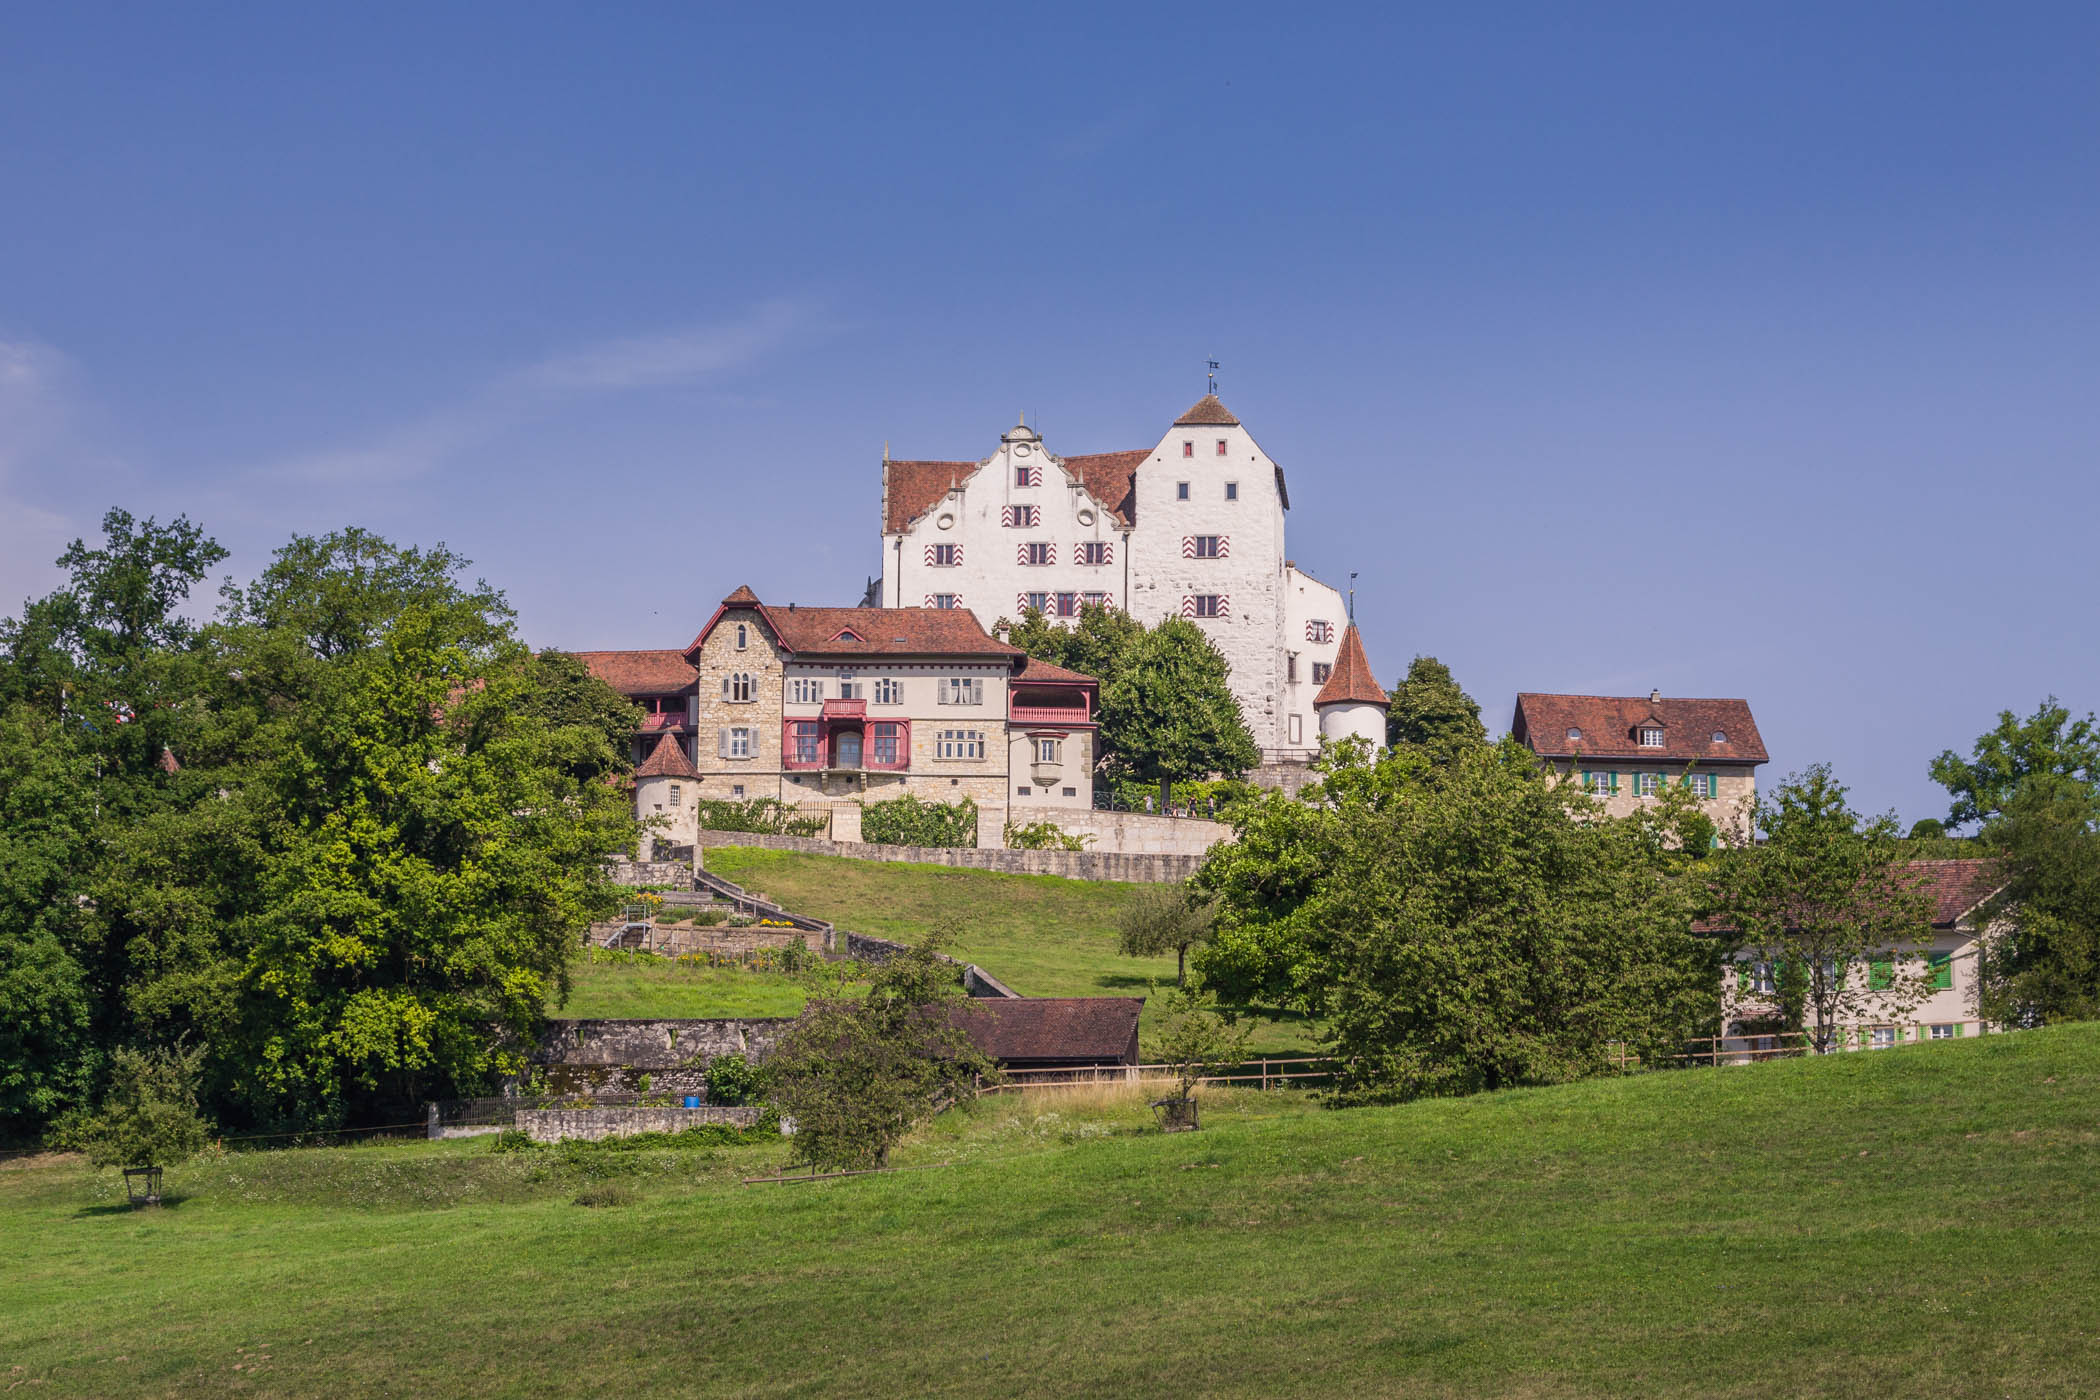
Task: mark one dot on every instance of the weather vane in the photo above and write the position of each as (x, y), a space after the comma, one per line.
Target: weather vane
(1213, 375)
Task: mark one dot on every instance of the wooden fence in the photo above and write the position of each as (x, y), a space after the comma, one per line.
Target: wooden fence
(1267, 1073)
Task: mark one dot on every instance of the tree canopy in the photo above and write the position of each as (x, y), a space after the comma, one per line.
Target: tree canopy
(1430, 712)
(2047, 744)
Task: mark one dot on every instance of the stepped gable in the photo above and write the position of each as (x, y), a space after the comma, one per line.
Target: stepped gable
(666, 760)
(1207, 412)
(1607, 725)
(1023, 1031)
(1351, 681)
(653, 672)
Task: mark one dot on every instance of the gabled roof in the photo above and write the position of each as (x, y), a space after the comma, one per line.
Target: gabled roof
(1351, 681)
(640, 672)
(867, 631)
(1097, 1030)
(1958, 886)
(666, 760)
(1607, 724)
(1207, 412)
(1042, 672)
(1111, 479)
(913, 488)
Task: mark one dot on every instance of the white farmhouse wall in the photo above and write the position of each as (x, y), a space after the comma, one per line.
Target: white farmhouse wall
(1307, 603)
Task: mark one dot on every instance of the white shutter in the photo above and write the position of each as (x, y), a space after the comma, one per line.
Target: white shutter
(721, 743)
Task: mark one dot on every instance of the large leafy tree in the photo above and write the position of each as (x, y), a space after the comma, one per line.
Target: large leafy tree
(1430, 711)
(1170, 715)
(2048, 743)
(1100, 644)
(1825, 898)
(2041, 962)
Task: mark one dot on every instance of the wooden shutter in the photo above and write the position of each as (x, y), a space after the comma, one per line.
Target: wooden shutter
(1881, 974)
(721, 743)
(1942, 965)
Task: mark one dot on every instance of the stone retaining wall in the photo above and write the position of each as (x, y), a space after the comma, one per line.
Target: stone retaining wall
(596, 1124)
(651, 872)
(1129, 833)
(1150, 869)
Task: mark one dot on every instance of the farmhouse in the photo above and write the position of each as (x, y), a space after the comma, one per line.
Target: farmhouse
(1624, 748)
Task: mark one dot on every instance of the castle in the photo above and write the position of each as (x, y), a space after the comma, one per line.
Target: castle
(1192, 527)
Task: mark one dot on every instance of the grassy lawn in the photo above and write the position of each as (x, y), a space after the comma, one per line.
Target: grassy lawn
(633, 988)
(1042, 935)
(1918, 1222)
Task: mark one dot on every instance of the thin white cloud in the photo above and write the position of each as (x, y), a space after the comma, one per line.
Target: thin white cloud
(423, 444)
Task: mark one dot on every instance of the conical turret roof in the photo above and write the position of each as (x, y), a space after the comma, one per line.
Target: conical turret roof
(1352, 682)
(667, 760)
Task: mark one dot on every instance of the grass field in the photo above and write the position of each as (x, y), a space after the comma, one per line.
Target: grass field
(631, 987)
(1042, 935)
(1918, 1222)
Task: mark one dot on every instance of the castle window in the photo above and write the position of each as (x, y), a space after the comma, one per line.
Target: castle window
(889, 691)
(743, 636)
(1647, 784)
(1207, 605)
(1221, 447)
(1232, 490)
(944, 600)
(677, 795)
(736, 789)
(1206, 547)
(1096, 600)
(1068, 605)
(1035, 602)
(851, 689)
(1096, 552)
(1290, 666)
(1319, 630)
(1188, 449)
(739, 688)
(805, 745)
(1181, 490)
(944, 556)
(1321, 671)
(1651, 737)
(736, 742)
(1021, 517)
(1038, 553)
(884, 739)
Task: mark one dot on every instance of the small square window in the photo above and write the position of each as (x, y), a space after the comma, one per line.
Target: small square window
(1022, 792)
(1188, 449)
(1945, 1032)
(1232, 490)
(1071, 792)
(736, 789)
(1881, 1037)
(1321, 671)
(1221, 447)
(1208, 605)
(1181, 490)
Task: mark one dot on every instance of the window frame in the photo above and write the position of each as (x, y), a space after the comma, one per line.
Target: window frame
(959, 745)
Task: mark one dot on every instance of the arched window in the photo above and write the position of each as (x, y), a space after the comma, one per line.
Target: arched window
(739, 688)
(743, 636)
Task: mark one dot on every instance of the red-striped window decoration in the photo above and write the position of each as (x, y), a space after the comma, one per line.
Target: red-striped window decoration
(1319, 630)
(943, 556)
(1095, 552)
(1206, 547)
(1036, 552)
(1027, 474)
(1020, 517)
(1206, 605)
(943, 600)
(1099, 600)
(1038, 602)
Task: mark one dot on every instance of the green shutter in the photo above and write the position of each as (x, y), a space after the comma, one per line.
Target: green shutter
(1742, 977)
(1615, 783)
(1957, 1030)
(1881, 974)
(1942, 965)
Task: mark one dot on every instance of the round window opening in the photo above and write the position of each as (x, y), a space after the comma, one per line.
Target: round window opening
(1719, 737)
(1022, 449)
(1574, 735)
(1086, 517)
(946, 522)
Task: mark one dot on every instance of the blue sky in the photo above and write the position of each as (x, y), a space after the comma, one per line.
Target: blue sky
(1727, 351)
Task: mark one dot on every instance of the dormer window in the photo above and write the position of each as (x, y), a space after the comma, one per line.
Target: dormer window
(1574, 736)
(849, 635)
(1720, 737)
(1651, 736)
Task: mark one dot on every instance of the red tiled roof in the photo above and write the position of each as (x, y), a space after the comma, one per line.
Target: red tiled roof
(1111, 479)
(640, 672)
(1097, 1030)
(1957, 886)
(917, 487)
(1607, 723)
(666, 760)
(1040, 670)
(1351, 682)
(867, 631)
(1207, 412)
(743, 597)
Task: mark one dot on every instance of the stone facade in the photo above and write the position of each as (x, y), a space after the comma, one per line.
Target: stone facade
(1148, 869)
(1131, 833)
(597, 1124)
(1191, 527)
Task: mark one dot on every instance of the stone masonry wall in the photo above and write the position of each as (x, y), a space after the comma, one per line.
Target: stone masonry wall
(1073, 865)
(1129, 833)
(656, 1044)
(597, 1124)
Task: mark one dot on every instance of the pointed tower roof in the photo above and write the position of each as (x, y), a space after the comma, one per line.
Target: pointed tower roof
(1352, 682)
(742, 598)
(666, 760)
(1207, 412)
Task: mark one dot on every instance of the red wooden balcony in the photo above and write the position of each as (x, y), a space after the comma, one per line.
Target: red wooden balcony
(670, 719)
(1049, 714)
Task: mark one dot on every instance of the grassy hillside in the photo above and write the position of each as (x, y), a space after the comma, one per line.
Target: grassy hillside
(1042, 935)
(1919, 1222)
(630, 987)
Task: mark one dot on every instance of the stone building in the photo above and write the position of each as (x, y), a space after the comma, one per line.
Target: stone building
(1624, 748)
(826, 708)
(1192, 527)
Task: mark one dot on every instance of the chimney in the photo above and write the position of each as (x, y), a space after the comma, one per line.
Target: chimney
(1655, 697)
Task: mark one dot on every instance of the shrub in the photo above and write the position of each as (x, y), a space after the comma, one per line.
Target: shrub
(150, 1117)
(1044, 836)
(765, 816)
(732, 1081)
(906, 821)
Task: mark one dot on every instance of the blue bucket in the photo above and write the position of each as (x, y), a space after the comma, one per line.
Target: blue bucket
(692, 1100)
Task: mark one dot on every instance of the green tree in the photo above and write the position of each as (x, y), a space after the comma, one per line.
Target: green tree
(150, 1117)
(1100, 644)
(2047, 743)
(1430, 712)
(1477, 926)
(2041, 962)
(340, 593)
(855, 1075)
(1161, 919)
(1196, 1041)
(593, 719)
(1171, 715)
(1824, 896)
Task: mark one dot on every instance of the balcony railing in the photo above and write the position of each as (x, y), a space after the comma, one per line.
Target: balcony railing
(1049, 714)
(673, 719)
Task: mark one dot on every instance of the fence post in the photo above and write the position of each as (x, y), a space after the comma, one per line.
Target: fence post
(430, 1120)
